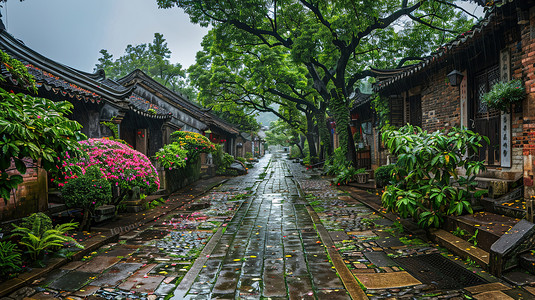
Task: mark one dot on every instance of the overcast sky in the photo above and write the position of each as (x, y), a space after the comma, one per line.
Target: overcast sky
(72, 32)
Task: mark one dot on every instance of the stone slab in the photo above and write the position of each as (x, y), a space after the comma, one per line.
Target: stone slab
(71, 281)
(333, 295)
(98, 264)
(389, 242)
(495, 286)
(72, 265)
(492, 295)
(116, 274)
(387, 280)
(380, 259)
(227, 282)
(87, 290)
(365, 233)
(338, 236)
(324, 276)
(42, 296)
(147, 284)
(519, 278)
(300, 288)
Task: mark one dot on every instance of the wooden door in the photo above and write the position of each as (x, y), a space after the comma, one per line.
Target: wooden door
(487, 121)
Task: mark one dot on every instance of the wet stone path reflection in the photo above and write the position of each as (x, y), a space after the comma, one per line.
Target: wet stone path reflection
(270, 249)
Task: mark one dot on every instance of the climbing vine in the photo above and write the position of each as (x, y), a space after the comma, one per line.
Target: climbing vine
(380, 106)
(341, 115)
(112, 126)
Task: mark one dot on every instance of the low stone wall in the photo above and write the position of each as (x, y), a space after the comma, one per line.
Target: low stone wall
(176, 179)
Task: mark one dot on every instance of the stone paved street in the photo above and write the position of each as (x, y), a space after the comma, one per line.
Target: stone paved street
(270, 249)
(275, 233)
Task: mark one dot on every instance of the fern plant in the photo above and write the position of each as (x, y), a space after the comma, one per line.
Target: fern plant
(51, 239)
(37, 222)
(10, 259)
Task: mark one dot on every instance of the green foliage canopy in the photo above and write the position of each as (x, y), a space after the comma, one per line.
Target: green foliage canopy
(331, 43)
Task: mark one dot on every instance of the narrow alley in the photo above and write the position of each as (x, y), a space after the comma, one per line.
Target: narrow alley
(279, 232)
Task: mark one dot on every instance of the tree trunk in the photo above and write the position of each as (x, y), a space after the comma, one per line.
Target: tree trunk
(351, 151)
(326, 147)
(310, 139)
(312, 148)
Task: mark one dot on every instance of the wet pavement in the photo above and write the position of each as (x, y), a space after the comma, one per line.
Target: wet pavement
(271, 234)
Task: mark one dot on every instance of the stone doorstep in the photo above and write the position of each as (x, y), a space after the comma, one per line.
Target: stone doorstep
(461, 247)
(488, 287)
(27, 278)
(492, 295)
(387, 280)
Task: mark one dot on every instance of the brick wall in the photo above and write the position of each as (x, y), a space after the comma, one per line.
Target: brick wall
(526, 141)
(440, 103)
(30, 196)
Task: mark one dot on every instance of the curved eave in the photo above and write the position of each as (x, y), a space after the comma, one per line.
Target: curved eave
(149, 115)
(81, 79)
(442, 53)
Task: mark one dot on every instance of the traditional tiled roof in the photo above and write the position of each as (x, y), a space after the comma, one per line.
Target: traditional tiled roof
(178, 101)
(359, 98)
(62, 80)
(145, 108)
(387, 78)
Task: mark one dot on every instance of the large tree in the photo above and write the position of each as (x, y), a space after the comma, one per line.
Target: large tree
(257, 78)
(153, 59)
(335, 41)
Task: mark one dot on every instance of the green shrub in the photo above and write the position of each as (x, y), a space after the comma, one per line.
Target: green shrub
(172, 156)
(503, 94)
(426, 164)
(337, 163)
(10, 259)
(222, 160)
(347, 175)
(242, 159)
(88, 192)
(51, 239)
(38, 223)
(248, 155)
(383, 175)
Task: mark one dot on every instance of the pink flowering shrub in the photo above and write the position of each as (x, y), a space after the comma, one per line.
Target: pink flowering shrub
(121, 165)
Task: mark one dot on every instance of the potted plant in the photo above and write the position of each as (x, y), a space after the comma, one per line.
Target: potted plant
(503, 94)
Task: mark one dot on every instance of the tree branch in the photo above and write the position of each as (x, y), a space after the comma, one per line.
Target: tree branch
(419, 20)
(405, 59)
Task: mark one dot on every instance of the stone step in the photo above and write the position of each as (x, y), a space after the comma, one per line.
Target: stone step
(514, 209)
(490, 227)
(461, 247)
(56, 207)
(527, 262)
(496, 187)
(519, 278)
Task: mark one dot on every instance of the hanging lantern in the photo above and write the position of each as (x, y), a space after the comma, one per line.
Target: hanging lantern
(455, 77)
